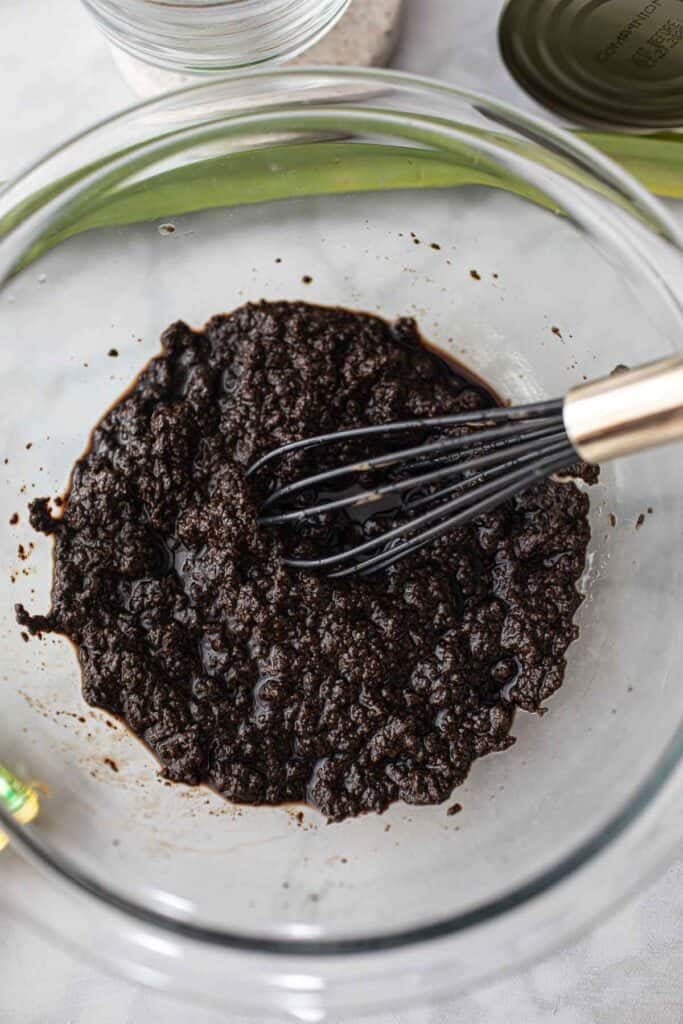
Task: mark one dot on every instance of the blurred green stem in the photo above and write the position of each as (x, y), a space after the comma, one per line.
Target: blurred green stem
(300, 168)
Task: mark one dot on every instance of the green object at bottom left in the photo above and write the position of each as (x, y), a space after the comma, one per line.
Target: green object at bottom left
(18, 798)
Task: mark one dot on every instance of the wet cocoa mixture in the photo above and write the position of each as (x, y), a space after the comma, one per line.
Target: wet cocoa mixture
(274, 685)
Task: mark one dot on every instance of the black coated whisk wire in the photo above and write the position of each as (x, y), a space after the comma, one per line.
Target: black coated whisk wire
(510, 450)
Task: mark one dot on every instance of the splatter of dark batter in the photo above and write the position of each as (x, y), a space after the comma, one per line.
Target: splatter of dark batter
(272, 685)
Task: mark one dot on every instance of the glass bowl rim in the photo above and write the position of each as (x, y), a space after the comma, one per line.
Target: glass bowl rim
(39, 851)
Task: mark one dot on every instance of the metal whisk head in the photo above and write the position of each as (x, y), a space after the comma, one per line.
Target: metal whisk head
(468, 464)
(474, 461)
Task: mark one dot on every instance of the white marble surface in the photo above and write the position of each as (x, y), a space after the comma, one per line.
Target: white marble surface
(629, 970)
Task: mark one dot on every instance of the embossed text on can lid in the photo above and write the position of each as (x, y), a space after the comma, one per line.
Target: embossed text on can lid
(607, 62)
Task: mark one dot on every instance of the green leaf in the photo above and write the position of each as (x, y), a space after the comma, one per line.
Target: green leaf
(655, 160)
(261, 175)
(139, 191)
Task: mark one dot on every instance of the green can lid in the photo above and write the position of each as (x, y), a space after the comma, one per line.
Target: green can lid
(604, 62)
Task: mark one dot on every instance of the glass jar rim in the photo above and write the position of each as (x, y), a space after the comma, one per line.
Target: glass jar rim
(214, 36)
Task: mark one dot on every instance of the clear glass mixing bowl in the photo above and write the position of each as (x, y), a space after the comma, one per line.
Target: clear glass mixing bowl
(238, 190)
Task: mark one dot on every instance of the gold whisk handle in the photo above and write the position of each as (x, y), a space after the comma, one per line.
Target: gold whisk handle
(626, 412)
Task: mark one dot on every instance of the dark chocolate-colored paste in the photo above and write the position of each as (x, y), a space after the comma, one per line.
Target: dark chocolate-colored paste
(274, 685)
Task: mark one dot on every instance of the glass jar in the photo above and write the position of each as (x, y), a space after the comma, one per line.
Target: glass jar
(194, 37)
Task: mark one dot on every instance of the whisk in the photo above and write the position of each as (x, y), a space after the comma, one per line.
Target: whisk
(495, 454)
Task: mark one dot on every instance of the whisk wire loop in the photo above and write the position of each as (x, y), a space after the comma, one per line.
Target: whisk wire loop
(496, 454)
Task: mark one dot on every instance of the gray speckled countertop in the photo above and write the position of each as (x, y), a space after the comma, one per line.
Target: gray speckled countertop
(629, 970)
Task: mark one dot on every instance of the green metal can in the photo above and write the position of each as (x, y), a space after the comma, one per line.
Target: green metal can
(608, 63)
